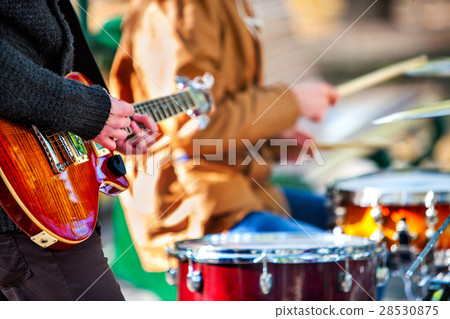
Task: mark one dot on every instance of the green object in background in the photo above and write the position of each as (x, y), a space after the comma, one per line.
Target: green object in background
(290, 181)
(128, 267)
(110, 34)
(381, 159)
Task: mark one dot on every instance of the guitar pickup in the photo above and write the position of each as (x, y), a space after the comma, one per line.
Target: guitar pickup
(99, 150)
(77, 147)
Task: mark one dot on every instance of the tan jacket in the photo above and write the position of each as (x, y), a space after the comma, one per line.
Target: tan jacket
(181, 200)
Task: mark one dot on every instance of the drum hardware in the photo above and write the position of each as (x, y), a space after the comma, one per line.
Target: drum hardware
(437, 109)
(276, 266)
(404, 237)
(428, 247)
(340, 213)
(382, 272)
(438, 288)
(265, 280)
(377, 215)
(344, 279)
(194, 277)
(171, 276)
(431, 214)
(441, 259)
(374, 205)
(438, 68)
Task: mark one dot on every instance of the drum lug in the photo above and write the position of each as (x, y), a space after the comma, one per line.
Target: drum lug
(265, 280)
(377, 236)
(431, 215)
(382, 275)
(376, 214)
(344, 279)
(403, 237)
(195, 281)
(340, 214)
(171, 276)
(194, 278)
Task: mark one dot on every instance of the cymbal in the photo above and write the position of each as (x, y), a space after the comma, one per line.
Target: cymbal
(434, 68)
(437, 109)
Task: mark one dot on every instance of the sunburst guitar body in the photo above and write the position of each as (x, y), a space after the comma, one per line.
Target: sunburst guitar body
(50, 181)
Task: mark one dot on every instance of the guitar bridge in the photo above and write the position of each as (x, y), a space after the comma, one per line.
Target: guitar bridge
(55, 162)
(62, 149)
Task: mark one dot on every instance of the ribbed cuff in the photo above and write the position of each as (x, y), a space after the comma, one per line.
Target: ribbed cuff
(92, 110)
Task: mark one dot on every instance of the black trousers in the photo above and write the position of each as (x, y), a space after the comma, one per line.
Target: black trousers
(29, 272)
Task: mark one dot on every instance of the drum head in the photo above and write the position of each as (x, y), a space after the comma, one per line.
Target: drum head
(393, 188)
(273, 247)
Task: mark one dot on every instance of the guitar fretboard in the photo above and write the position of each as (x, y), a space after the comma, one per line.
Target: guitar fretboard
(164, 107)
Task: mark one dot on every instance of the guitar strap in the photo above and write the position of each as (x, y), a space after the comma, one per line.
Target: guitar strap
(84, 59)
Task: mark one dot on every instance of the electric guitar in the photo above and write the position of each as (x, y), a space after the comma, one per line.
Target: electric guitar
(50, 181)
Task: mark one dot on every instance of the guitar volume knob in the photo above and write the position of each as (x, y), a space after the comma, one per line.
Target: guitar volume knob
(116, 165)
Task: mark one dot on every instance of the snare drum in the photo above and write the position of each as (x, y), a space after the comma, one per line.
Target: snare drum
(275, 266)
(394, 206)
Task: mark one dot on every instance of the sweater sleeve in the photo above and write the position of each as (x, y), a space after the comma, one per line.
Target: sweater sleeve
(33, 95)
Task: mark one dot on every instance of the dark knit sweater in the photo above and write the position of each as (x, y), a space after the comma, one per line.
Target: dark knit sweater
(37, 49)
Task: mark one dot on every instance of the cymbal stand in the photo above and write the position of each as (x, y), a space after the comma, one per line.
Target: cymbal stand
(427, 248)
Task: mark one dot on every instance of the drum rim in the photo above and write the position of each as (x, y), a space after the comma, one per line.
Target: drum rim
(366, 196)
(208, 253)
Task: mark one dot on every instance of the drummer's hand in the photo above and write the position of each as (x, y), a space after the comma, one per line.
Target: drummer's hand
(314, 98)
(142, 139)
(295, 134)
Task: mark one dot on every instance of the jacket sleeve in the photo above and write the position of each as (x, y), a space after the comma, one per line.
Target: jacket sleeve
(252, 113)
(33, 95)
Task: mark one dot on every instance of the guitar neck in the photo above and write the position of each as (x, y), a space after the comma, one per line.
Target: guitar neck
(165, 107)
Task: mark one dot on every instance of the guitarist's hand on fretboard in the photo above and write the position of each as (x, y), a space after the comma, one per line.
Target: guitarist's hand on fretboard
(142, 139)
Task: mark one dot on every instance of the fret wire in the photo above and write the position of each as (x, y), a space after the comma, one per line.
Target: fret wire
(172, 105)
(186, 103)
(164, 107)
(180, 102)
(151, 111)
(189, 95)
(167, 104)
(145, 108)
(159, 109)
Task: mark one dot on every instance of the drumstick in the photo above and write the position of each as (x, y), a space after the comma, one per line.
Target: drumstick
(380, 75)
(427, 248)
(323, 146)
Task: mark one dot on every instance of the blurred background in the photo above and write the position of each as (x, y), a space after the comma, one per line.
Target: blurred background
(295, 33)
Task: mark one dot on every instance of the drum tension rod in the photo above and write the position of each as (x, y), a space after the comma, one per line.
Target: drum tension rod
(194, 277)
(345, 280)
(266, 278)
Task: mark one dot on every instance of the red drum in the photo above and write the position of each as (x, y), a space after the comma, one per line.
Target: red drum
(393, 205)
(275, 267)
